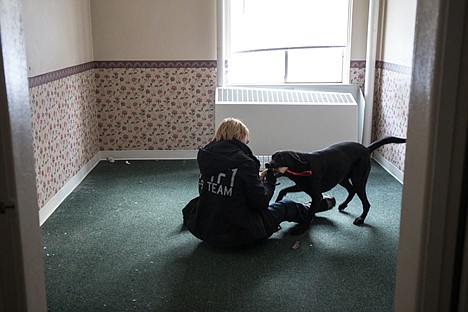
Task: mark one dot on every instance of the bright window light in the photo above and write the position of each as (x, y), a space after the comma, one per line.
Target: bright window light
(315, 65)
(285, 41)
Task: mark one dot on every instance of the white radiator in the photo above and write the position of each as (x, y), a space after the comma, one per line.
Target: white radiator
(263, 160)
(283, 119)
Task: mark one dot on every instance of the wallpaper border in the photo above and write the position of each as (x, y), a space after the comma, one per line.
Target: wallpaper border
(73, 70)
(59, 74)
(156, 64)
(406, 70)
(358, 64)
(402, 69)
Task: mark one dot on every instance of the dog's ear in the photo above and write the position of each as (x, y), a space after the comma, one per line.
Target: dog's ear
(296, 157)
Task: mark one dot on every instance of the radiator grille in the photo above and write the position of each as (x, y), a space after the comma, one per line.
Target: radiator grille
(263, 160)
(280, 96)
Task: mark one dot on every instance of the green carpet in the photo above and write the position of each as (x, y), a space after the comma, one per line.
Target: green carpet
(115, 245)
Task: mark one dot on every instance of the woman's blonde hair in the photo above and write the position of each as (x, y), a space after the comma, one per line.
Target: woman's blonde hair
(230, 129)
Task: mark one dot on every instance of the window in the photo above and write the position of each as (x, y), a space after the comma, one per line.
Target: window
(286, 41)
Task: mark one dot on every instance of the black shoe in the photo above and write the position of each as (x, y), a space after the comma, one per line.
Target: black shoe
(327, 203)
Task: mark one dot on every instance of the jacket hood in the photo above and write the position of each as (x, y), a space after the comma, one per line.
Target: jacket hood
(219, 156)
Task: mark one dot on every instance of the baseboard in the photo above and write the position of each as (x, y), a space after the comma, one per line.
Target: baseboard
(142, 155)
(49, 208)
(389, 167)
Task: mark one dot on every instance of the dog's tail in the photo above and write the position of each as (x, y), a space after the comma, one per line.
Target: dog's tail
(387, 140)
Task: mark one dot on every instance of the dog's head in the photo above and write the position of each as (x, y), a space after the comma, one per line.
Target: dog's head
(284, 160)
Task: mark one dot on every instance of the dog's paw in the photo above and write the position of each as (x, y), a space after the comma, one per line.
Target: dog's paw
(358, 221)
(342, 207)
(298, 229)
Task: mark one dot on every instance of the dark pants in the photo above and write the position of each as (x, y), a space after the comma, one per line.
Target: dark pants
(291, 211)
(288, 210)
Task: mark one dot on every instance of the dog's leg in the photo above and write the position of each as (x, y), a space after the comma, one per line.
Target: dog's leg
(290, 189)
(360, 187)
(304, 225)
(351, 192)
(365, 207)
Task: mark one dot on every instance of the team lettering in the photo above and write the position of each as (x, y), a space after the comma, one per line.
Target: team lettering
(219, 189)
(222, 185)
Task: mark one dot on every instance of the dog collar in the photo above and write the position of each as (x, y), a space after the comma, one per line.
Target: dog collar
(299, 174)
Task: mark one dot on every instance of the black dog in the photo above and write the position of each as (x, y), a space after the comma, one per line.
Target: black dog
(346, 163)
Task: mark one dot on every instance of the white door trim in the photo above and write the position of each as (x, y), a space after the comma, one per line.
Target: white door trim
(22, 281)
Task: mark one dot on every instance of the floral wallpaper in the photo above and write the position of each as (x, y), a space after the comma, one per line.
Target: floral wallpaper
(390, 114)
(391, 101)
(155, 108)
(357, 72)
(166, 105)
(134, 105)
(65, 132)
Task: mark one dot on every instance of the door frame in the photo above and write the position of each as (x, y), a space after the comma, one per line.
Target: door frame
(432, 263)
(22, 284)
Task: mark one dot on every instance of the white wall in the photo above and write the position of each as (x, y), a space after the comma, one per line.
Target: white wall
(154, 29)
(396, 31)
(397, 36)
(57, 34)
(64, 33)
(359, 29)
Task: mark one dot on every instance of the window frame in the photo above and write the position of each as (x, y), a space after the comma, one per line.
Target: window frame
(224, 48)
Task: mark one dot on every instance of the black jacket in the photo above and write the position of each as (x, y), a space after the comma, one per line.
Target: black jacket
(233, 201)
